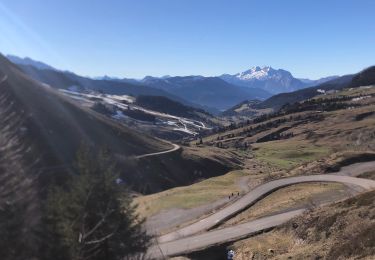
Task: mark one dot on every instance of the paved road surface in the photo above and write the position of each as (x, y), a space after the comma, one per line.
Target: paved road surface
(201, 241)
(174, 244)
(175, 148)
(356, 169)
(254, 196)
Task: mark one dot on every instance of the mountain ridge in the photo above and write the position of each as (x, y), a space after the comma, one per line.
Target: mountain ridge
(272, 80)
(209, 93)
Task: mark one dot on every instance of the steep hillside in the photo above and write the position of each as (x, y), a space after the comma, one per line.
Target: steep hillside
(168, 106)
(363, 78)
(19, 189)
(40, 133)
(66, 80)
(57, 125)
(245, 110)
(27, 61)
(155, 115)
(279, 100)
(343, 230)
(306, 131)
(61, 125)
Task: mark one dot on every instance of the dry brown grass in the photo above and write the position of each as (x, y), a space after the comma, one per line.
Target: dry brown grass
(368, 175)
(285, 154)
(296, 196)
(190, 196)
(344, 230)
(339, 131)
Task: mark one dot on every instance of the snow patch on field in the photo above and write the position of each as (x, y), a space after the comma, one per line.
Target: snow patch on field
(121, 103)
(119, 115)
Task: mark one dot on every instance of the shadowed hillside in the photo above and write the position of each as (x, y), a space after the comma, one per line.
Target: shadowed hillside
(60, 126)
(363, 78)
(57, 126)
(279, 100)
(168, 106)
(207, 91)
(64, 80)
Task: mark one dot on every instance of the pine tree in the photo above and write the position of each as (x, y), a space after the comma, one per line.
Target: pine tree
(92, 216)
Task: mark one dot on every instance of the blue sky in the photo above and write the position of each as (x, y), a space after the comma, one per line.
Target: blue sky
(188, 37)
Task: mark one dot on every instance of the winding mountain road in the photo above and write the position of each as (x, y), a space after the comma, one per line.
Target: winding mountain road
(254, 196)
(182, 241)
(356, 169)
(201, 241)
(175, 148)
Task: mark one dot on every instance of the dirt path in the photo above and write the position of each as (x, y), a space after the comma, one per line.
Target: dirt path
(175, 148)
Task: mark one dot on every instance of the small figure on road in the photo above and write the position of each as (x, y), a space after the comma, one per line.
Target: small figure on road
(230, 255)
(232, 194)
(238, 193)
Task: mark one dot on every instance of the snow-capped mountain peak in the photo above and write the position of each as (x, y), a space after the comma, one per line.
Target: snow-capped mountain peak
(262, 73)
(267, 78)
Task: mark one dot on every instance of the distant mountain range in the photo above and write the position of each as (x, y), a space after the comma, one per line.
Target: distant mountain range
(365, 77)
(210, 93)
(271, 80)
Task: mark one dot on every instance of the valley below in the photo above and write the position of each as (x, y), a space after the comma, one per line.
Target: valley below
(187, 130)
(203, 184)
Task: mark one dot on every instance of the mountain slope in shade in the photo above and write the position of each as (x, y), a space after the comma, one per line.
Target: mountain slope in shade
(311, 82)
(27, 61)
(363, 78)
(207, 91)
(56, 125)
(164, 105)
(271, 80)
(65, 80)
(245, 108)
(61, 125)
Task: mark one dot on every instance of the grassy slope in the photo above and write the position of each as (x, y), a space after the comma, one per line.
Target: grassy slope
(314, 146)
(338, 131)
(296, 196)
(190, 196)
(277, 101)
(287, 155)
(343, 230)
